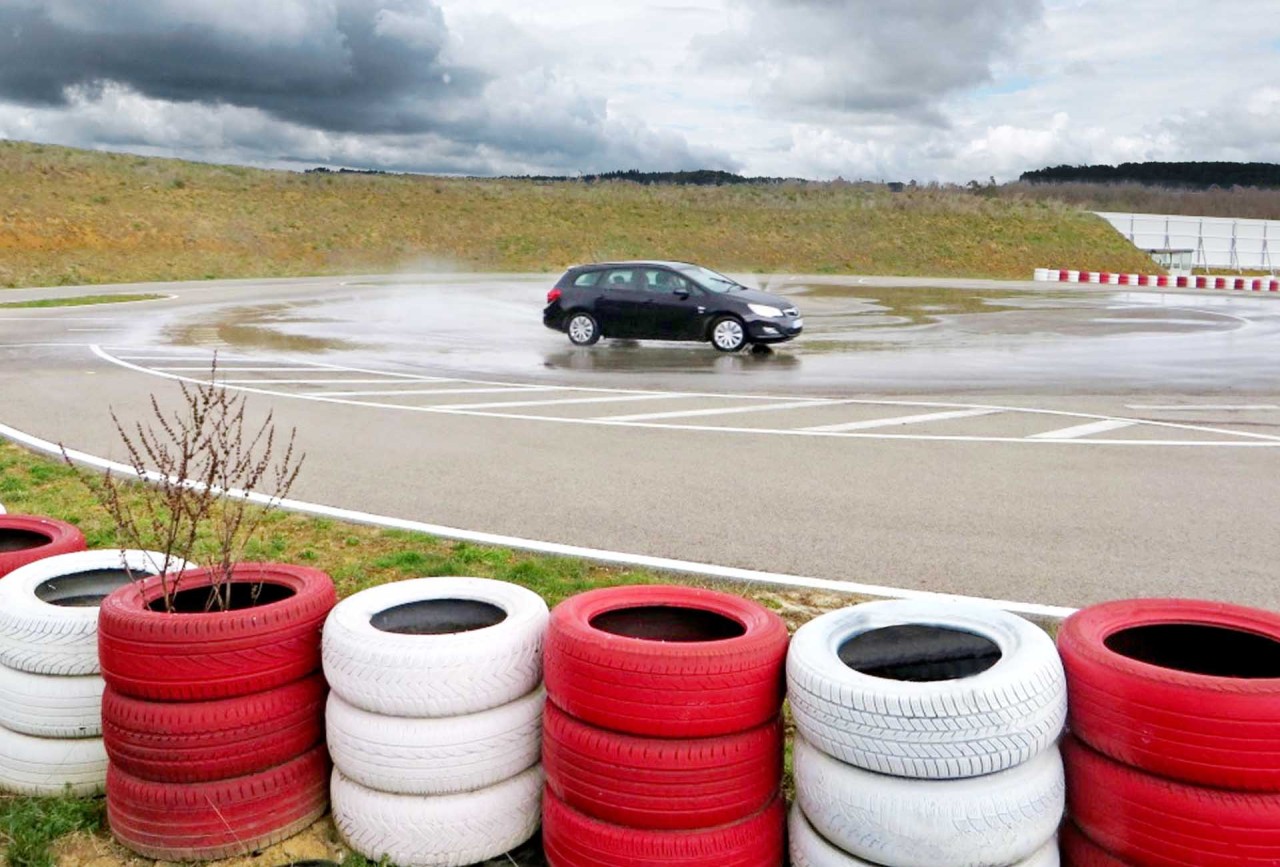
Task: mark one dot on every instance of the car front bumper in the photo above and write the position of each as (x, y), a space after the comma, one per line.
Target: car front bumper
(772, 330)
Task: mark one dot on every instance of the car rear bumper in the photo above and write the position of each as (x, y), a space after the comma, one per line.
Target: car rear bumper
(553, 317)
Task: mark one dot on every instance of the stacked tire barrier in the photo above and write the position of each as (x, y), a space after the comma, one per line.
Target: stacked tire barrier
(213, 720)
(1174, 754)
(27, 538)
(1159, 281)
(434, 721)
(926, 737)
(50, 686)
(663, 743)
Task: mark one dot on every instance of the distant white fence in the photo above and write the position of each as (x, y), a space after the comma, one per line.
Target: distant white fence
(1216, 242)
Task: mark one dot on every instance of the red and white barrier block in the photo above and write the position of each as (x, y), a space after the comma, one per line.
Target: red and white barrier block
(1160, 281)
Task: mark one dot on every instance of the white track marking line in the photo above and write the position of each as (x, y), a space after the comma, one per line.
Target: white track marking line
(722, 410)
(1236, 441)
(903, 419)
(176, 358)
(663, 564)
(223, 368)
(320, 381)
(509, 389)
(1084, 430)
(527, 403)
(1207, 407)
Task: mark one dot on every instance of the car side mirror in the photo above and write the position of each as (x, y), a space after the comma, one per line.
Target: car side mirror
(682, 293)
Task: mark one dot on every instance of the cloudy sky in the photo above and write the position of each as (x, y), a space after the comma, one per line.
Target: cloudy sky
(947, 90)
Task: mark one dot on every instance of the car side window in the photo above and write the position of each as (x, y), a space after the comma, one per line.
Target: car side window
(588, 278)
(619, 278)
(667, 282)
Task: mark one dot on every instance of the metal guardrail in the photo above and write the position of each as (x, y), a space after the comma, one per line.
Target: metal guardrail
(1215, 242)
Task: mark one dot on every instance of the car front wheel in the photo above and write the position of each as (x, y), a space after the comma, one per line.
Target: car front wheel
(583, 329)
(728, 334)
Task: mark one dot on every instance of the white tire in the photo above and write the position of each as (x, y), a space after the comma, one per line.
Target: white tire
(483, 665)
(998, 819)
(49, 706)
(809, 849)
(426, 756)
(48, 613)
(441, 830)
(47, 766)
(939, 729)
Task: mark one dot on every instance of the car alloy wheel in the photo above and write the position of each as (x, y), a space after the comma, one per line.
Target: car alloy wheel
(582, 329)
(728, 335)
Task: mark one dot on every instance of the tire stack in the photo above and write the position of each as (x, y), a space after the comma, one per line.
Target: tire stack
(213, 720)
(1174, 754)
(27, 538)
(662, 742)
(50, 686)
(926, 737)
(434, 721)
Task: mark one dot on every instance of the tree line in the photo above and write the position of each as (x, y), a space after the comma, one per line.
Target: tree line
(1186, 175)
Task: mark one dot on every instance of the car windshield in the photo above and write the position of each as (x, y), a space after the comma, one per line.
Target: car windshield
(711, 280)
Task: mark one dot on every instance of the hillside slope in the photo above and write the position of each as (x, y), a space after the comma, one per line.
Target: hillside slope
(73, 216)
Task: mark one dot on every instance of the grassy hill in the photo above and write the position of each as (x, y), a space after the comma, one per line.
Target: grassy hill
(73, 216)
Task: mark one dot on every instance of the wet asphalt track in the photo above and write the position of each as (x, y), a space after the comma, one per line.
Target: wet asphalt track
(1007, 440)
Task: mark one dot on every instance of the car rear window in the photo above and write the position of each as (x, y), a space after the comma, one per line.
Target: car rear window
(587, 278)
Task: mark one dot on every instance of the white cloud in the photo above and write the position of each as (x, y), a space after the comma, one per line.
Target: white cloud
(881, 89)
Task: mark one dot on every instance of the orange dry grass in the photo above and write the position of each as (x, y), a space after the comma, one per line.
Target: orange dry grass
(71, 216)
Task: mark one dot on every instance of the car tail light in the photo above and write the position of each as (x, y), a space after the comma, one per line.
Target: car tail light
(553, 296)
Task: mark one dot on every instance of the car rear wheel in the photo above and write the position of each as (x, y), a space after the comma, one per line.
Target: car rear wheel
(583, 329)
(728, 334)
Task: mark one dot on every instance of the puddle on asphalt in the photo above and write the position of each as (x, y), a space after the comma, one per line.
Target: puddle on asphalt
(250, 328)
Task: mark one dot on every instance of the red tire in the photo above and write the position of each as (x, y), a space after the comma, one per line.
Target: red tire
(1079, 851)
(571, 839)
(201, 655)
(193, 742)
(27, 538)
(1187, 690)
(1156, 822)
(204, 821)
(661, 784)
(674, 662)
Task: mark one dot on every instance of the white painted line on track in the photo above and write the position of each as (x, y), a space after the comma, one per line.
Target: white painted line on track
(506, 389)
(903, 419)
(1237, 438)
(1205, 407)
(664, 564)
(720, 410)
(1084, 430)
(320, 382)
(225, 368)
(563, 401)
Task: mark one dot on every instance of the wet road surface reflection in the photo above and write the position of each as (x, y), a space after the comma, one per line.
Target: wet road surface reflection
(857, 338)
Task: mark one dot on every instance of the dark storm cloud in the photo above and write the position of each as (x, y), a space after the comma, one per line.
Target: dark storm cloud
(891, 58)
(345, 65)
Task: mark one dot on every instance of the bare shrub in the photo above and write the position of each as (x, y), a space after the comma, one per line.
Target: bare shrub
(205, 466)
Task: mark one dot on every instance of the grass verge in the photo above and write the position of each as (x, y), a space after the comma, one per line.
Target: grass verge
(78, 217)
(29, 826)
(82, 301)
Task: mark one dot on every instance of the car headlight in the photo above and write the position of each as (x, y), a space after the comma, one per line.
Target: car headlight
(765, 310)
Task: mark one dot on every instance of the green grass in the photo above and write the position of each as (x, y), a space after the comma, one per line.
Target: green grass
(28, 826)
(82, 301)
(80, 217)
